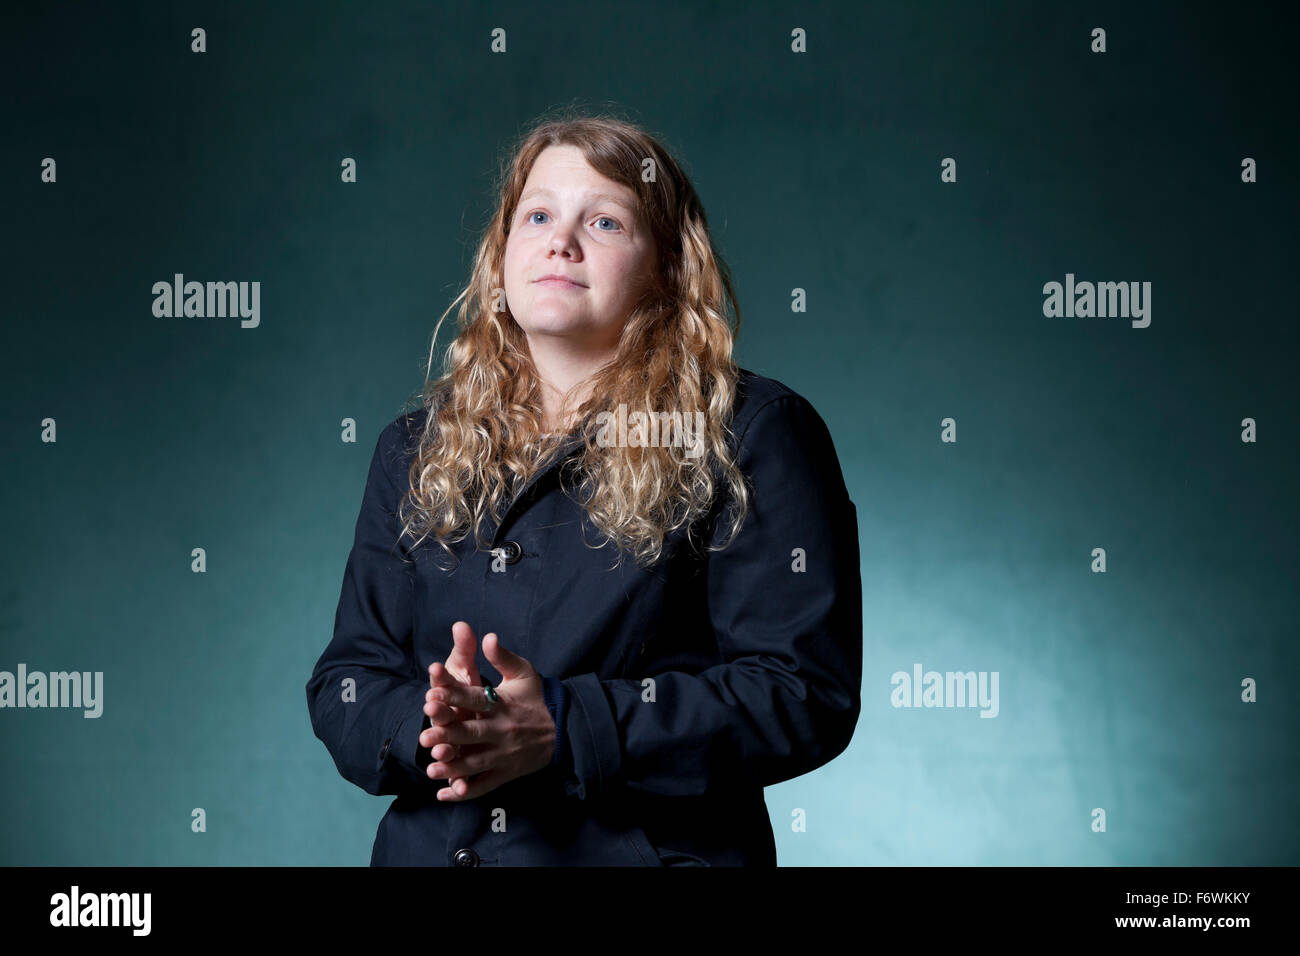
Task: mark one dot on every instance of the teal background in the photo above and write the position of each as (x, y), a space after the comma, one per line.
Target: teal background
(819, 171)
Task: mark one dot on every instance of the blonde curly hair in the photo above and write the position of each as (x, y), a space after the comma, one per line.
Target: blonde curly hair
(484, 434)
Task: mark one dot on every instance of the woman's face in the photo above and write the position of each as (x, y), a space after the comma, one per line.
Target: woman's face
(572, 221)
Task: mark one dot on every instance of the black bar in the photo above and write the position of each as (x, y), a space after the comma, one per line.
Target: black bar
(490, 908)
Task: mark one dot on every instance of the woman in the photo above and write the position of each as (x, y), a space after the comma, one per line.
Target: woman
(657, 547)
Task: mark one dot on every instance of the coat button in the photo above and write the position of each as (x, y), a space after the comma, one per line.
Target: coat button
(512, 552)
(466, 857)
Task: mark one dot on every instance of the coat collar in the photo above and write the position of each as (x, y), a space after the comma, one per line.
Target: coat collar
(566, 449)
(571, 444)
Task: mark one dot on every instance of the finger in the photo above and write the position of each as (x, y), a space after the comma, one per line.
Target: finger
(462, 732)
(433, 772)
(510, 664)
(439, 749)
(462, 789)
(466, 765)
(441, 714)
(464, 651)
(462, 713)
(444, 770)
(469, 698)
(440, 675)
(429, 739)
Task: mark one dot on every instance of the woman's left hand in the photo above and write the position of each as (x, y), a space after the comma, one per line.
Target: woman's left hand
(511, 738)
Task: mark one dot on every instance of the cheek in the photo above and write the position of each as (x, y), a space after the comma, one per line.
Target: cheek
(638, 275)
(512, 264)
(631, 272)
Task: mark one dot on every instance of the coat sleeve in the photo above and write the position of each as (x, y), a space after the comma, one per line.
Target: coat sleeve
(366, 693)
(786, 697)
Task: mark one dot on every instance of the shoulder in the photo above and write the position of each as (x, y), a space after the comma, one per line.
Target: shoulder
(766, 409)
(398, 442)
(754, 390)
(786, 453)
(405, 429)
(402, 434)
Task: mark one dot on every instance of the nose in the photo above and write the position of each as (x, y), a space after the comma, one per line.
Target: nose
(562, 242)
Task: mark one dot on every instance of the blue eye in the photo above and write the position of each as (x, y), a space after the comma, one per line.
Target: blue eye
(538, 212)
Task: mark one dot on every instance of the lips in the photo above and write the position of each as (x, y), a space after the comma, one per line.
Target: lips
(557, 280)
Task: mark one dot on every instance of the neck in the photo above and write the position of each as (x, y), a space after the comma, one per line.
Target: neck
(564, 370)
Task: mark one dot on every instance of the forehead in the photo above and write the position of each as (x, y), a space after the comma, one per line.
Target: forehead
(563, 172)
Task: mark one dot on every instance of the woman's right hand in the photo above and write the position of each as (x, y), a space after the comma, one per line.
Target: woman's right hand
(461, 667)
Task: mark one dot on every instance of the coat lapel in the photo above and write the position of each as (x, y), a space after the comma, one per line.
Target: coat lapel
(566, 450)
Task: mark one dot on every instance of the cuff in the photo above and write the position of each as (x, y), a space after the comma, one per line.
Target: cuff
(404, 747)
(592, 738)
(557, 702)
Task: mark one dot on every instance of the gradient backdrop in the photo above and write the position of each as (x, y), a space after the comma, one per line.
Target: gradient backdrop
(821, 171)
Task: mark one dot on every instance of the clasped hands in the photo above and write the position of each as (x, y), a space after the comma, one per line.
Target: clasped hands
(476, 745)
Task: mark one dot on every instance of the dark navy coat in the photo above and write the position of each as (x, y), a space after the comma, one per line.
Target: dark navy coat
(756, 665)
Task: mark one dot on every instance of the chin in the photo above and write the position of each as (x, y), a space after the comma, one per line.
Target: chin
(555, 325)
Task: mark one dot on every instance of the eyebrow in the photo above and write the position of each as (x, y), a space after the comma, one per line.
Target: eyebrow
(607, 197)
